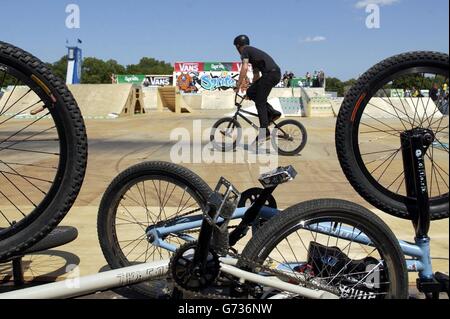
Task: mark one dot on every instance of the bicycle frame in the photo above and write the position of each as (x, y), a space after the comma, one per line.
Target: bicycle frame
(240, 113)
(76, 287)
(419, 261)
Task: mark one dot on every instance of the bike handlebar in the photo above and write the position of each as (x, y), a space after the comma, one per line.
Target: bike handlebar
(238, 99)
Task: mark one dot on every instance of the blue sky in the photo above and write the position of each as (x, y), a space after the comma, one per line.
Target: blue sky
(302, 35)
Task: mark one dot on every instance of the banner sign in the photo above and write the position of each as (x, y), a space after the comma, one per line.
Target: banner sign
(158, 80)
(130, 79)
(192, 77)
(300, 82)
(145, 80)
(397, 93)
(188, 67)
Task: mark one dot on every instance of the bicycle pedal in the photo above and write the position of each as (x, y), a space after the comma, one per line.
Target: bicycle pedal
(443, 280)
(278, 176)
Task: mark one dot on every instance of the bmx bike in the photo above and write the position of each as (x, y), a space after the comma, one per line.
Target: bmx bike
(289, 137)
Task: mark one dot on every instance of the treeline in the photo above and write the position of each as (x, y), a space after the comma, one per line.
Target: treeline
(336, 85)
(97, 71)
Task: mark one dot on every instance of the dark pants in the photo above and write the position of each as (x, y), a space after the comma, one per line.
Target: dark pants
(259, 92)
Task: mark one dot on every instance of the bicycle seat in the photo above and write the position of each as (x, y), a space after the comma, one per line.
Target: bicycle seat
(278, 176)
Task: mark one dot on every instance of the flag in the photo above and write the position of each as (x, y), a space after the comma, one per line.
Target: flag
(79, 41)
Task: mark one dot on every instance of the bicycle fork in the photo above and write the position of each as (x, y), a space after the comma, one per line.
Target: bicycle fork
(415, 144)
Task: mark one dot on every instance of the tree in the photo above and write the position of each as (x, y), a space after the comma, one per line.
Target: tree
(150, 66)
(59, 68)
(335, 85)
(96, 71)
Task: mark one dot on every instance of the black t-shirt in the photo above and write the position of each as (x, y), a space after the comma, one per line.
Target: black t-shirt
(259, 59)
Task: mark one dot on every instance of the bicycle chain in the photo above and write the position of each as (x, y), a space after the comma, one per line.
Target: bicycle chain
(254, 265)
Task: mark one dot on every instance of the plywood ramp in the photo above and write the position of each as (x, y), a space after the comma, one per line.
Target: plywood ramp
(170, 97)
(102, 100)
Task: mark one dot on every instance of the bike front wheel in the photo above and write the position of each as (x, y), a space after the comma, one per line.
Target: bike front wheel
(151, 194)
(335, 245)
(225, 134)
(43, 150)
(289, 137)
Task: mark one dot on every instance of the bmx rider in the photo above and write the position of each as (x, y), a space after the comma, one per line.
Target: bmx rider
(262, 85)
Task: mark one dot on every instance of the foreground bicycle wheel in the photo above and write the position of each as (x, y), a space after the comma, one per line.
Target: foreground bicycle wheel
(289, 137)
(402, 93)
(364, 262)
(43, 150)
(145, 195)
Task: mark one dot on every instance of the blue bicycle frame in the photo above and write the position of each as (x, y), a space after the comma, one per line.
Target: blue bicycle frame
(419, 252)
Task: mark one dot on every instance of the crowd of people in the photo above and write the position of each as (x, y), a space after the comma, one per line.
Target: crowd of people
(434, 93)
(316, 79)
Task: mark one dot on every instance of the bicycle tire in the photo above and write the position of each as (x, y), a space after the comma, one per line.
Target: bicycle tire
(273, 231)
(73, 148)
(300, 147)
(221, 147)
(346, 132)
(106, 227)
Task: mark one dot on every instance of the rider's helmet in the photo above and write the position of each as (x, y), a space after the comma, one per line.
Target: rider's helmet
(241, 40)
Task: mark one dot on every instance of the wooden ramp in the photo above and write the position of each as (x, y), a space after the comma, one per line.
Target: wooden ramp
(170, 97)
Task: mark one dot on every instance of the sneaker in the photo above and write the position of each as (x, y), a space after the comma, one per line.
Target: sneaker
(275, 116)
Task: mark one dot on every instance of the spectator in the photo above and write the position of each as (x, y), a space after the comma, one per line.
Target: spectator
(308, 79)
(321, 79)
(434, 92)
(407, 93)
(315, 79)
(285, 79)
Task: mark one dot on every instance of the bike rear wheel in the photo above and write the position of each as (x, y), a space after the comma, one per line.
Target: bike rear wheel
(303, 243)
(43, 150)
(289, 137)
(225, 134)
(401, 93)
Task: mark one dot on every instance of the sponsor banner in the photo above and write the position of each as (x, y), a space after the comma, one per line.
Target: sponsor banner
(130, 79)
(145, 80)
(300, 82)
(188, 67)
(158, 80)
(206, 81)
(192, 77)
(397, 93)
(218, 67)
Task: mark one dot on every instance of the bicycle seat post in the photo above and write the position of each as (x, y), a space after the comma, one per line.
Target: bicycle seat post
(270, 181)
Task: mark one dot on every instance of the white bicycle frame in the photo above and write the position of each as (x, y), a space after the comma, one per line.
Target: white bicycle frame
(82, 286)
